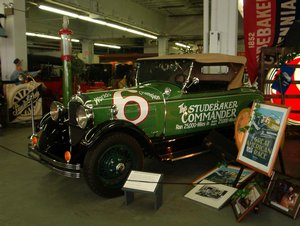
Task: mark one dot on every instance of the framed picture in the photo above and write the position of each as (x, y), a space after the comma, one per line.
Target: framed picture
(246, 199)
(263, 137)
(225, 175)
(283, 194)
(211, 194)
(241, 122)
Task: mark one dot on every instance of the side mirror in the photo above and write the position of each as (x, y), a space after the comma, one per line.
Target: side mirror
(194, 82)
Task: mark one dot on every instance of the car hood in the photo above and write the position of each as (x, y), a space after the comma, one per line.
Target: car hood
(150, 92)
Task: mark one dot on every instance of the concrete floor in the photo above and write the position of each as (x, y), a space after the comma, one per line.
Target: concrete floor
(32, 195)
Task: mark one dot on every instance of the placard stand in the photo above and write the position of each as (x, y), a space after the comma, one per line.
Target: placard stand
(281, 162)
(237, 179)
(143, 182)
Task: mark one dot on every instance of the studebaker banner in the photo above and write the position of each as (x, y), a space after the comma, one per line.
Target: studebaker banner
(266, 23)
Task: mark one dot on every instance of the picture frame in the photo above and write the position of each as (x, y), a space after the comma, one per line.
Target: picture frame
(242, 204)
(211, 194)
(241, 122)
(263, 137)
(225, 175)
(283, 194)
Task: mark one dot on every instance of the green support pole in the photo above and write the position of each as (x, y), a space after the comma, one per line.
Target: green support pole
(67, 82)
(66, 56)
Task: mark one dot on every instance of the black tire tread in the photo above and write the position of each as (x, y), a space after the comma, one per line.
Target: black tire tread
(91, 159)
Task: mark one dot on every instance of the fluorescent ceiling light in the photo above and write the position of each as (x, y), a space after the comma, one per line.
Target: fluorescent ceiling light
(48, 36)
(73, 40)
(59, 11)
(88, 19)
(182, 45)
(108, 46)
(42, 36)
(101, 22)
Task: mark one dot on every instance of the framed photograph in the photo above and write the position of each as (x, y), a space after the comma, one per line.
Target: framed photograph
(211, 194)
(246, 199)
(283, 194)
(225, 175)
(263, 137)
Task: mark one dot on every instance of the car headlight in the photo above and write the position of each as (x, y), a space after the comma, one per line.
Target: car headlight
(56, 110)
(83, 115)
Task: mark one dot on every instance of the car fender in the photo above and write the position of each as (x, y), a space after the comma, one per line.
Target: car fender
(53, 134)
(99, 132)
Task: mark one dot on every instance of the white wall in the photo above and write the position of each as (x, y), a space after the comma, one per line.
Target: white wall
(14, 46)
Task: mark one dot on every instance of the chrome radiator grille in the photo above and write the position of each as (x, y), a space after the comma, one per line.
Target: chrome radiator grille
(75, 133)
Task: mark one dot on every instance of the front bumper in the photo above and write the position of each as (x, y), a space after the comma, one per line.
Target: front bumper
(64, 169)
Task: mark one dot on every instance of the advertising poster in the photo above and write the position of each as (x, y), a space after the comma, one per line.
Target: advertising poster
(263, 138)
(266, 24)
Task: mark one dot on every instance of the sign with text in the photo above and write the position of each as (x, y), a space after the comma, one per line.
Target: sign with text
(266, 23)
(263, 137)
(142, 181)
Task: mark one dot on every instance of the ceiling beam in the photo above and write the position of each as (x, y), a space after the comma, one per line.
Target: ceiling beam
(123, 12)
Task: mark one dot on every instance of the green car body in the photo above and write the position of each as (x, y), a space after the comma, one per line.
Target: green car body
(175, 98)
(163, 116)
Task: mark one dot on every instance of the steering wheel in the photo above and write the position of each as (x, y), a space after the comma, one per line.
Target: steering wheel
(24, 78)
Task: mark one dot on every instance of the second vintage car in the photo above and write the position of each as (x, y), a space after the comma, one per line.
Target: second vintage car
(104, 135)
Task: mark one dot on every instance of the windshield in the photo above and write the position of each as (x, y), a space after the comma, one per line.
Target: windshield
(174, 71)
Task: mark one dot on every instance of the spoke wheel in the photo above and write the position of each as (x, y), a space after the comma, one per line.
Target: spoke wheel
(108, 164)
(20, 101)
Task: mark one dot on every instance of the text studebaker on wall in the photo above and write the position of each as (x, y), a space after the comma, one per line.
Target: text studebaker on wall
(104, 135)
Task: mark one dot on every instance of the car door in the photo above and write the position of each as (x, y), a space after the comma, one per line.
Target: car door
(195, 112)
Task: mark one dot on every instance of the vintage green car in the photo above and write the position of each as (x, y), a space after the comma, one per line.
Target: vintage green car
(104, 135)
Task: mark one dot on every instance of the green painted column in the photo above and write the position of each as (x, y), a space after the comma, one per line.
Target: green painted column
(66, 56)
(67, 82)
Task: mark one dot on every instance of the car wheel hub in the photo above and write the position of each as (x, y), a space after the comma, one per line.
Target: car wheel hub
(114, 162)
(120, 167)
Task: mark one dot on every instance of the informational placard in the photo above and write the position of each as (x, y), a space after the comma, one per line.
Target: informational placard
(142, 181)
(263, 137)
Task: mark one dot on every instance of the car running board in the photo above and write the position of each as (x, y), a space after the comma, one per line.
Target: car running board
(183, 154)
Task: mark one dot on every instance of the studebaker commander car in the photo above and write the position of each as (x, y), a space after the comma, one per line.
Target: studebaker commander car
(104, 135)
